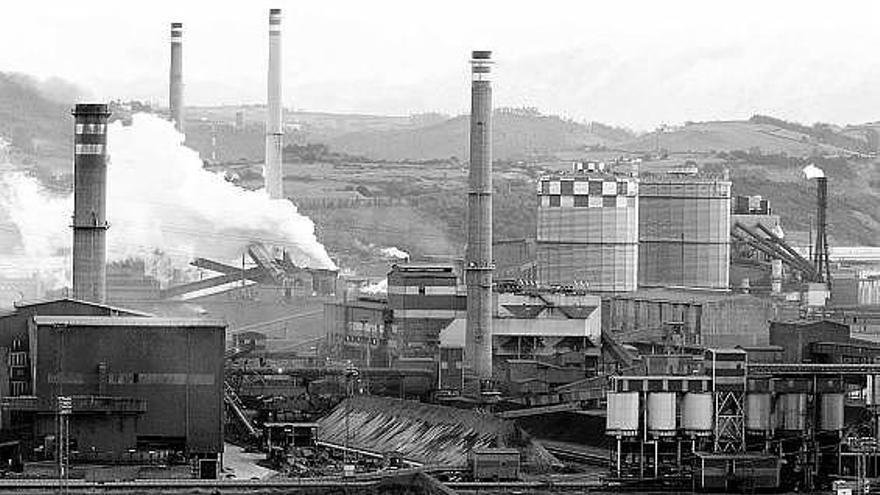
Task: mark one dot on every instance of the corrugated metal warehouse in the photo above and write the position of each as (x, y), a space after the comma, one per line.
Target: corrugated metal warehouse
(709, 318)
(588, 231)
(137, 384)
(684, 231)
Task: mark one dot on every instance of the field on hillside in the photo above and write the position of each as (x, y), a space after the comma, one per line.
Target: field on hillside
(710, 137)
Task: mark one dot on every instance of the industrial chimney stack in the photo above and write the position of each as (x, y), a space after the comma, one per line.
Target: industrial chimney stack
(478, 258)
(90, 202)
(820, 255)
(175, 87)
(272, 170)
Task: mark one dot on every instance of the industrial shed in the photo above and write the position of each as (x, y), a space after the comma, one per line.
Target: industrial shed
(711, 319)
(136, 384)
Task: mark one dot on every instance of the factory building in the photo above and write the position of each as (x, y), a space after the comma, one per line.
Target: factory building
(800, 337)
(425, 318)
(360, 331)
(700, 317)
(684, 230)
(856, 287)
(588, 232)
(136, 384)
(424, 299)
(556, 329)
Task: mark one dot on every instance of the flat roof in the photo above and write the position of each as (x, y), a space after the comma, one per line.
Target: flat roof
(660, 377)
(678, 295)
(806, 323)
(124, 321)
(495, 450)
(278, 424)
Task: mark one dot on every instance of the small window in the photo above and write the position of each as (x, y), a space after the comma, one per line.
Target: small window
(581, 200)
(595, 188)
(609, 201)
(555, 201)
(545, 187)
(566, 187)
(422, 290)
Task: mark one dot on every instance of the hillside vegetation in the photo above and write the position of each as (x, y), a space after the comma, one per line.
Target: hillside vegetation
(759, 134)
(34, 124)
(410, 160)
(519, 134)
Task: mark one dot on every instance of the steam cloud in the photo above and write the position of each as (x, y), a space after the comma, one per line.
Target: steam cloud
(159, 198)
(813, 172)
(394, 253)
(376, 289)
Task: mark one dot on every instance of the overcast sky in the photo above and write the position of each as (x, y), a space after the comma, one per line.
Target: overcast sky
(631, 63)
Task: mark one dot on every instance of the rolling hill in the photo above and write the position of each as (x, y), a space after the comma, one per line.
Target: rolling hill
(33, 123)
(518, 134)
(760, 133)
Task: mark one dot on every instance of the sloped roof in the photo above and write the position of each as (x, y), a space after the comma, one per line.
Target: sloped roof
(429, 434)
(44, 302)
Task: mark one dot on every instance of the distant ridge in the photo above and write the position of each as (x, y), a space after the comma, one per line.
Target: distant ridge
(518, 134)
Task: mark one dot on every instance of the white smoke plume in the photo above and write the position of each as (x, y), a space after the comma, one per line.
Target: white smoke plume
(813, 172)
(394, 253)
(376, 289)
(160, 198)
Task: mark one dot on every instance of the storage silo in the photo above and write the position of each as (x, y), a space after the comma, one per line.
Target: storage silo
(587, 232)
(791, 412)
(831, 412)
(759, 413)
(662, 408)
(684, 231)
(622, 414)
(697, 414)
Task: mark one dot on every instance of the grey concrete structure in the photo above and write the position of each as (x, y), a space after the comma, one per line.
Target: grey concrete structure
(273, 168)
(175, 86)
(90, 202)
(478, 258)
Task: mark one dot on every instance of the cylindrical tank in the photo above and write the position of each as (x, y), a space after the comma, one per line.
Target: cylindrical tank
(661, 413)
(873, 392)
(623, 414)
(831, 412)
(759, 408)
(791, 410)
(696, 413)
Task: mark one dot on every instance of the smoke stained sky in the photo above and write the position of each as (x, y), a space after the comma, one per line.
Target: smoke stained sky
(633, 63)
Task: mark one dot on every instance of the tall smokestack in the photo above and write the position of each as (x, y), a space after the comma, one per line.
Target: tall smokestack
(272, 171)
(820, 255)
(90, 202)
(175, 86)
(478, 258)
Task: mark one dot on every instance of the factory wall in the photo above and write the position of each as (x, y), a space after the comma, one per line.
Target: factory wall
(424, 299)
(587, 232)
(856, 289)
(514, 259)
(684, 231)
(796, 336)
(710, 319)
(174, 366)
(14, 336)
(353, 328)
